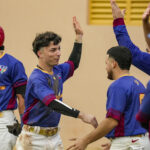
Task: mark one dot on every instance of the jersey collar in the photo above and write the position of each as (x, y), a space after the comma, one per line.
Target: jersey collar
(38, 67)
(2, 55)
(124, 75)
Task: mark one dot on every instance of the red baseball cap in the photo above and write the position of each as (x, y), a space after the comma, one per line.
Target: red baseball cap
(2, 36)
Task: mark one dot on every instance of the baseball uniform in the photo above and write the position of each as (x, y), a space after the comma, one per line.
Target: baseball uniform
(123, 102)
(12, 77)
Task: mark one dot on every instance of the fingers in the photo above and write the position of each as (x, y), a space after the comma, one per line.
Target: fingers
(146, 14)
(106, 146)
(116, 12)
(73, 139)
(77, 27)
(70, 147)
(113, 4)
(123, 11)
(148, 5)
(74, 21)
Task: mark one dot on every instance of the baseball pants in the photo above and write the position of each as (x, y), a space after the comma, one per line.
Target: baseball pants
(131, 143)
(7, 140)
(34, 141)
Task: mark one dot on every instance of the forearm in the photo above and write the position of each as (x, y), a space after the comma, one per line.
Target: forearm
(76, 52)
(21, 105)
(103, 129)
(121, 34)
(139, 58)
(64, 109)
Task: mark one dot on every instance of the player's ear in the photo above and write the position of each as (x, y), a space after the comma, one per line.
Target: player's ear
(39, 53)
(114, 64)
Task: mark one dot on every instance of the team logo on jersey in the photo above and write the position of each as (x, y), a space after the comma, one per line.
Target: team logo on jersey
(3, 69)
(59, 76)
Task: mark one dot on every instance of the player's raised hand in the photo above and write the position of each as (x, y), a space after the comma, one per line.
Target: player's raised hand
(116, 11)
(77, 27)
(87, 118)
(146, 14)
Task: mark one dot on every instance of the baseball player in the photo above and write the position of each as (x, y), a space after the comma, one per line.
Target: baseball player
(123, 102)
(140, 59)
(43, 99)
(12, 86)
(144, 113)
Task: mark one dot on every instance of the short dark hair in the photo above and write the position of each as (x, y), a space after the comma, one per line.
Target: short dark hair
(44, 39)
(122, 56)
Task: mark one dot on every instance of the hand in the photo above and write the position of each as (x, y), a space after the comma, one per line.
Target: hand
(146, 14)
(116, 12)
(106, 146)
(88, 119)
(15, 129)
(77, 27)
(79, 144)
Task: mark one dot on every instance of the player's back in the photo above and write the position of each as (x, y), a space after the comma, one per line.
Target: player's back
(124, 97)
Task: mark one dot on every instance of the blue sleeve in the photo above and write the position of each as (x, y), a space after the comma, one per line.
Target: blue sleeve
(67, 70)
(144, 112)
(140, 59)
(42, 91)
(18, 75)
(116, 102)
(145, 106)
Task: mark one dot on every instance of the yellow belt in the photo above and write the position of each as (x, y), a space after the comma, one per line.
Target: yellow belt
(139, 135)
(42, 131)
(1, 114)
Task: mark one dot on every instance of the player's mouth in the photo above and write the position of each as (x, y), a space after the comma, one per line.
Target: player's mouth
(57, 60)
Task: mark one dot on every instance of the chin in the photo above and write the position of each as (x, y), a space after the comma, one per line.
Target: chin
(55, 64)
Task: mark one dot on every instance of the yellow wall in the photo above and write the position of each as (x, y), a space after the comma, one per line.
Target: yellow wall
(22, 19)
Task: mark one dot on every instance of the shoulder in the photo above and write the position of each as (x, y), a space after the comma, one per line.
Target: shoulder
(125, 82)
(12, 59)
(62, 65)
(37, 76)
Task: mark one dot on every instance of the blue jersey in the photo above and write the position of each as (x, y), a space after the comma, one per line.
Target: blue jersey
(144, 112)
(41, 89)
(140, 59)
(123, 102)
(12, 75)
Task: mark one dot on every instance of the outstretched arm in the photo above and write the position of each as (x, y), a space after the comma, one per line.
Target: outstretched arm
(146, 25)
(140, 59)
(77, 49)
(64, 109)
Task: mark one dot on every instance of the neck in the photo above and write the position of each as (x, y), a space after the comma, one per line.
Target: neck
(1, 52)
(45, 67)
(118, 73)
